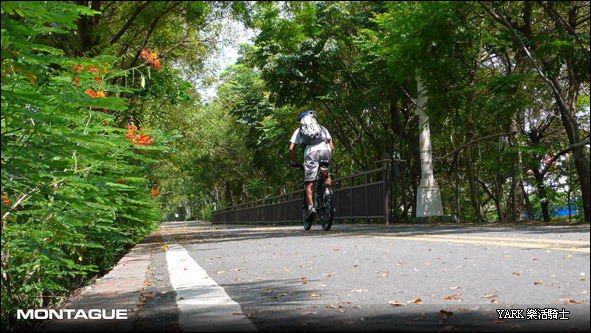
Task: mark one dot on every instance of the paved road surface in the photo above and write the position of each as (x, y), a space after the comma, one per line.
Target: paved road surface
(194, 276)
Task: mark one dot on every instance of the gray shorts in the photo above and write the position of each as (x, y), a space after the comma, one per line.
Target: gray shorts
(312, 162)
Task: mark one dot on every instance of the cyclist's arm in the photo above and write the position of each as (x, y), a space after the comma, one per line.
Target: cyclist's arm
(292, 153)
(331, 145)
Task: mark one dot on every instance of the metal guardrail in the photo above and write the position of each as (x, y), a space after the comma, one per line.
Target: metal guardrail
(360, 196)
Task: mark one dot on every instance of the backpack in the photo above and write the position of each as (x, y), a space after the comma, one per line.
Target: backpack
(311, 131)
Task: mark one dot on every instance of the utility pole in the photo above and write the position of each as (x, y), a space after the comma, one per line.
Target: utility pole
(428, 194)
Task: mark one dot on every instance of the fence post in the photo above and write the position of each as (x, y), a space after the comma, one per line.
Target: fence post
(387, 183)
(367, 181)
(351, 182)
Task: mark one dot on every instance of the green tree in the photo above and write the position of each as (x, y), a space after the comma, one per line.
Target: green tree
(76, 187)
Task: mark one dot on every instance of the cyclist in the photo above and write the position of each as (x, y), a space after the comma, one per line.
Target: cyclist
(313, 153)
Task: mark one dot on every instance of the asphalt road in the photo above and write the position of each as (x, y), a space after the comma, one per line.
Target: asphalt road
(367, 278)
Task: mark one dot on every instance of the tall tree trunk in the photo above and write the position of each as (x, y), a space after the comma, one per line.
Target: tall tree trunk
(528, 205)
(229, 199)
(516, 208)
(469, 164)
(582, 164)
(565, 98)
(415, 169)
(499, 182)
(452, 175)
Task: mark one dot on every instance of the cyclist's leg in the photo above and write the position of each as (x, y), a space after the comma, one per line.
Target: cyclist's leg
(323, 155)
(310, 193)
(311, 172)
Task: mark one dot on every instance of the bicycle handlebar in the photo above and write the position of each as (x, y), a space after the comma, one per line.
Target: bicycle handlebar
(298, 165)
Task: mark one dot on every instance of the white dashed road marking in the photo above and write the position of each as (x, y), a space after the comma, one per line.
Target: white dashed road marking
(204, 305)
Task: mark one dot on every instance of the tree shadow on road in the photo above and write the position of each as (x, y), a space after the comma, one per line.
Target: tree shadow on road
(204, 232)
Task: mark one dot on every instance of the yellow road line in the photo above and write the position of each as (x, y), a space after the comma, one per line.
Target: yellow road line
(512, 239)
(482, 242)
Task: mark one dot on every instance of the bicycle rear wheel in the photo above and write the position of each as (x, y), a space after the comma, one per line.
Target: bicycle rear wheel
(306, 220)
(326, 213)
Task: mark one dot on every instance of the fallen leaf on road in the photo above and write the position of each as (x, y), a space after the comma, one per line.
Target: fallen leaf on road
(494, 301)
(538, 282)
(416, 301)
(516, 274)
(165, 247)
(359, 291)
(268, 290)
(572, 301)
(491, 295)
(314, 295)
(385, 275)
(396, 303)
(444, 314)
(450, 297)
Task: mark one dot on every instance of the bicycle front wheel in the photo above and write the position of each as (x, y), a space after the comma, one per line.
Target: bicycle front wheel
(326, 213)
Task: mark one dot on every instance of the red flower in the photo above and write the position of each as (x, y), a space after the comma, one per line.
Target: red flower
(152, 58)
(90, 92)
(6, 200)
(137, 138)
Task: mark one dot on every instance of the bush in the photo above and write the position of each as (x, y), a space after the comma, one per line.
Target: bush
(75, 189)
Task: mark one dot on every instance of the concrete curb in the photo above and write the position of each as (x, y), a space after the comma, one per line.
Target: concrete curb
(121, 288)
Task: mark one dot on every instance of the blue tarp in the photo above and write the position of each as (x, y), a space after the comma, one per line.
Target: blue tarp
(557, 212)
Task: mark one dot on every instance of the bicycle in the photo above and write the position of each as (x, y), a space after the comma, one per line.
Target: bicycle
(323, 198)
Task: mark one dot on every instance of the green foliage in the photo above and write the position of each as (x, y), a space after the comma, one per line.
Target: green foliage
(75, 187)
(358, 62)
